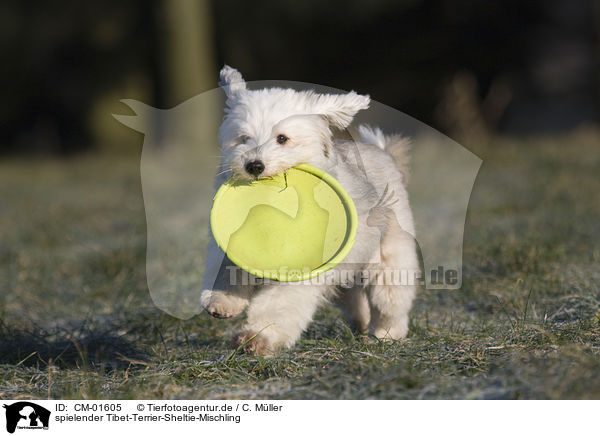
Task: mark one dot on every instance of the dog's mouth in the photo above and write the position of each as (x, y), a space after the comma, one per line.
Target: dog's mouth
(262, 177)
(243, 175)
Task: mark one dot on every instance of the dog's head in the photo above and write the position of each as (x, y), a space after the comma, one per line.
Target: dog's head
(270, 130)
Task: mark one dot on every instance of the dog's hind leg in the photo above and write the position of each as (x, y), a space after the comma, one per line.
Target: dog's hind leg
(355, 306)
(390, 300)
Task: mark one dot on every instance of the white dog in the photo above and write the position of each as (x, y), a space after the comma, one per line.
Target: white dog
(264, 133)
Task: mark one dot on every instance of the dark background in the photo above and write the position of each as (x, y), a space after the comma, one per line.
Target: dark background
(465, 67)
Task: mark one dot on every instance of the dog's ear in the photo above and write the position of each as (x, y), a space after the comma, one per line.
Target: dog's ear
(232, 82)
(339, 109)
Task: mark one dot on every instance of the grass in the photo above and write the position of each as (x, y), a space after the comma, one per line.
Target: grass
(77, 321)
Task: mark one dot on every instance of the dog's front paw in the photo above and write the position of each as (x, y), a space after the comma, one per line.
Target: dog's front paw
(252, 343)
(221, 304)
(389, 334)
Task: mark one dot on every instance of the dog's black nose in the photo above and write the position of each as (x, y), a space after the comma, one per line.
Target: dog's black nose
(255, 167)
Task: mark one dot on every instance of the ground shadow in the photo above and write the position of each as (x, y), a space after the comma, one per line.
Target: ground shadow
(75, 344)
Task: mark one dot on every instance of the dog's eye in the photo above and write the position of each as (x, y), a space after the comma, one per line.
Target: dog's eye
(282, 139)
(242, 139)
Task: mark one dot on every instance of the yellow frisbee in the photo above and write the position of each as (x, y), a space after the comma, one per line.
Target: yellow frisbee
(289, 227)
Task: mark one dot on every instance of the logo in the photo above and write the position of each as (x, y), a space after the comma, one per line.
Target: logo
(26, 415)
(180, 159)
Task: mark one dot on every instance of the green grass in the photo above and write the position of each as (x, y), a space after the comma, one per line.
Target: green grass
(77, 320)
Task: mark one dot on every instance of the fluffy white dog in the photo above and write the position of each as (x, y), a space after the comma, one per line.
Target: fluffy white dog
(264, 133)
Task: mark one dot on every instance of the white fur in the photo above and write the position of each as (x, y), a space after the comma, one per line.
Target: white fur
(373, 136)
(277, 314)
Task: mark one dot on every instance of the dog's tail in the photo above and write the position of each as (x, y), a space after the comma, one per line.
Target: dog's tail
(396, 145)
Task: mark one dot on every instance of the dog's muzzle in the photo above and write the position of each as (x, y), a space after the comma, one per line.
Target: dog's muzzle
(254, 167)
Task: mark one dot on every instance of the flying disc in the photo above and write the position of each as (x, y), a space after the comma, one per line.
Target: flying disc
(289, 227)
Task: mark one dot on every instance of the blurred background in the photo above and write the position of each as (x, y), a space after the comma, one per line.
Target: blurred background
(467, 68)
